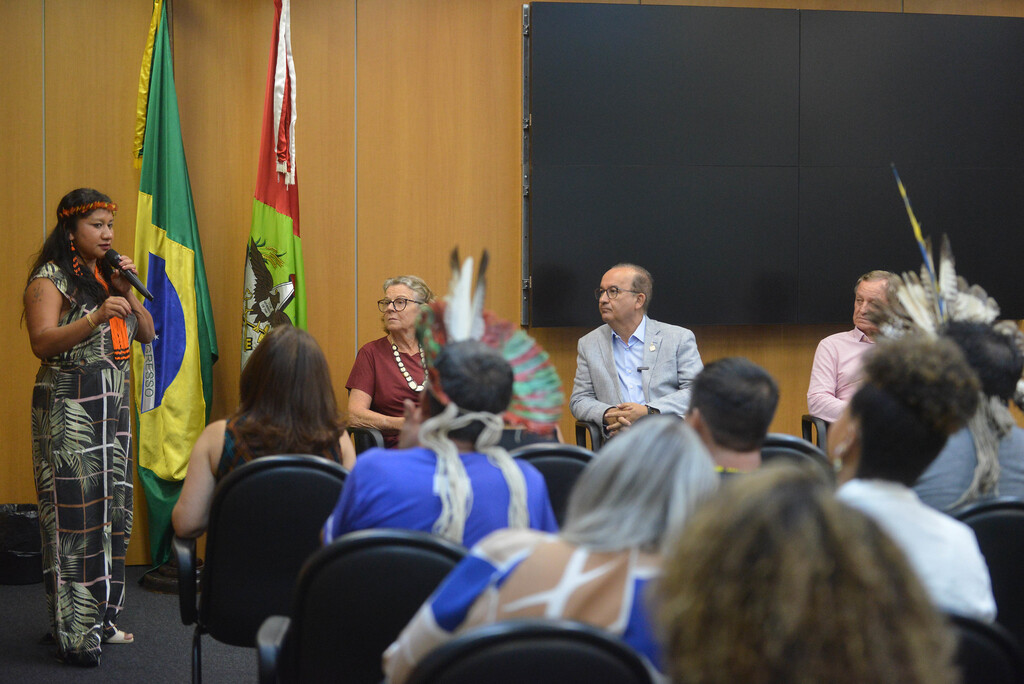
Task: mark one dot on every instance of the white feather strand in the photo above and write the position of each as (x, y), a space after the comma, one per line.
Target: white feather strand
(915, 300)
(459, 313)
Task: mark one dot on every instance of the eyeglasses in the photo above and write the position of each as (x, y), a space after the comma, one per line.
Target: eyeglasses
(612, 292)
(400, 303)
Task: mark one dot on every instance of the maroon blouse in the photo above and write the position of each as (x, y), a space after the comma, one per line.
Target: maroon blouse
(376, 372)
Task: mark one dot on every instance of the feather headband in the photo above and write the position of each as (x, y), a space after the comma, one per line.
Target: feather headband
(87, 208)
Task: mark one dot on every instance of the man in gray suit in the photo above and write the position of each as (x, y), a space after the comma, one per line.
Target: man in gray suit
(632, 365)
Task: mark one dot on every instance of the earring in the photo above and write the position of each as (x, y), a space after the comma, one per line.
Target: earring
(839, 452)
(74, 260)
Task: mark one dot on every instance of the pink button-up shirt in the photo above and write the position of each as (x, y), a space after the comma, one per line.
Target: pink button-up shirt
(835, 375)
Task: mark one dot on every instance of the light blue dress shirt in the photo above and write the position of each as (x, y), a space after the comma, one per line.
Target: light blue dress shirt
(629, 358)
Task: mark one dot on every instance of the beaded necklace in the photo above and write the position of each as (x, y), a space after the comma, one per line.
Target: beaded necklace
(405, 374)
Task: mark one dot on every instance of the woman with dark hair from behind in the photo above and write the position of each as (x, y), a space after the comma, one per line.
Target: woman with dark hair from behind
(628, 504)
(82, 316)
(917, 391)
(779, 583)
(286, 406)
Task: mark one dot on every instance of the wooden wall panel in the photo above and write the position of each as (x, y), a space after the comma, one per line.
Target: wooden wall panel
(323, 39)
(438, 104)
(21, 195)
(992, 8)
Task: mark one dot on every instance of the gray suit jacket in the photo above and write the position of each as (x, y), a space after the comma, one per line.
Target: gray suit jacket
(673, 364)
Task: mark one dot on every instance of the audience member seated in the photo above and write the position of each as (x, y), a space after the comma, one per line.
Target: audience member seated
(628, 504)
(632, 365)
(286, 406)
(779, 582)
(835, 374)
(986, 458)
(732, 406)
(917, 391)
(391, 369)
(453, 481)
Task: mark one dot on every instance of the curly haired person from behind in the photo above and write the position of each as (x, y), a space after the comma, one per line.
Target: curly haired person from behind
(778, 582)
(286, 406)
(917, 391)
(82, 316)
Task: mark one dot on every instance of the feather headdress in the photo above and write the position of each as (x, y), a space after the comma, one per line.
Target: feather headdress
(924, 303)
(536, 396)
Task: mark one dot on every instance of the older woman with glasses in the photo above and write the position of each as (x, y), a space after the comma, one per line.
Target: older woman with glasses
(389, 370)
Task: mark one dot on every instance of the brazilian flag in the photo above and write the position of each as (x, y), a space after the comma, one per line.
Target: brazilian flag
(173, 374)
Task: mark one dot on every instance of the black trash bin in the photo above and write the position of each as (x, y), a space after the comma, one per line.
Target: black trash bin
(21, 559)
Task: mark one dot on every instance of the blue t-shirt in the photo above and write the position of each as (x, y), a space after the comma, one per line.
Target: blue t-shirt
(395, 488)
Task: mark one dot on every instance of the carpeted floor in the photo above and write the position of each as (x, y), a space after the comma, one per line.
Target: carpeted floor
(161, 652)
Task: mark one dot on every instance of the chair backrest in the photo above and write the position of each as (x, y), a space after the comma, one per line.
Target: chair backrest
(999, 527)
(265, 522)
(536, 651)
(986, 654)
(366, 438)
(778, 445)
(585, 429)
(820, 428)
(561, 465)
(353, 598)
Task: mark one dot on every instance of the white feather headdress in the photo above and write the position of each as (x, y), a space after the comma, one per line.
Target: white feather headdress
(925, 303)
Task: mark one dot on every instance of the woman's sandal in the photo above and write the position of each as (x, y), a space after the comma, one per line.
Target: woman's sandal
(119, 637)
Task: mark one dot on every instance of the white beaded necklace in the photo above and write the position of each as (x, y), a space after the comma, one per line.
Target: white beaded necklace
(405, 374)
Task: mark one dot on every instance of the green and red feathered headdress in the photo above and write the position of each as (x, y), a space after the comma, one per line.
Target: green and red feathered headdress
(537, 397)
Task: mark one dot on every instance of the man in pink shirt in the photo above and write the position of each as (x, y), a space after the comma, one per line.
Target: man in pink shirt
(835, 375)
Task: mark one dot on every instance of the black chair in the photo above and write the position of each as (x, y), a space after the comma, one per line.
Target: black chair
(986, 654)
(535, 651)
(265, 521)
(812, 426)
(592, 430)
(778, 445)
(364, 438)
(999, 527)
(561, 465)
(352, 600)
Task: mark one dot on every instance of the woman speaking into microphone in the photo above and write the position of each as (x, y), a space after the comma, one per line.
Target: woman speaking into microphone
(82, 316)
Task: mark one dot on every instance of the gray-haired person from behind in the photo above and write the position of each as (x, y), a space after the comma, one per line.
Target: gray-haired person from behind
(628, 507)
(639, 491)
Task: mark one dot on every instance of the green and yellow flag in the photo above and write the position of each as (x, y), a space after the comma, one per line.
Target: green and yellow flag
(173, 374)
(274, 291)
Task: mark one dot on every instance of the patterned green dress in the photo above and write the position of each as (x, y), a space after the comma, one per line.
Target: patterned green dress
(82, 457)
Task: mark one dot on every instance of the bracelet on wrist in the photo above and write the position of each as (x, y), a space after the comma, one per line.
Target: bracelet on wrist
(88, 318)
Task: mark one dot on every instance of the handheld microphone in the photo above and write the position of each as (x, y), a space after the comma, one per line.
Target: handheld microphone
(114, 259)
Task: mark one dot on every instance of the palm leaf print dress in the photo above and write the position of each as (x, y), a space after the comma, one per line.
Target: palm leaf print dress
(82, 458)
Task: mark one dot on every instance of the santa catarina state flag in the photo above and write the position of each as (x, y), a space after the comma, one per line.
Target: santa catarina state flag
(274, 290)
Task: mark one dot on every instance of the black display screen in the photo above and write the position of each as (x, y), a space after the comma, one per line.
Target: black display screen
(743, 155)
